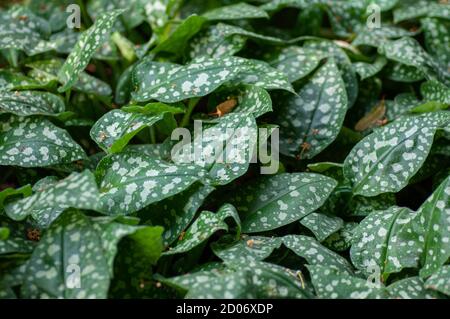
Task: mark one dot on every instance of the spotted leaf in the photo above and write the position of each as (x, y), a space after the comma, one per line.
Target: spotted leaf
(225, 150)
(375, 235)
(171, 83)
(440, 281)
(423, 241)
(32, 142)
(131, 181)
(87, 45)
(296, 62)
(330, 283)
(26, 103)
(204, 227)
(47, 71)
(312, 120)
(236, 11)
(115, 129)
(73, 259)
(247, 248)
(315, 253)
(78, 190)
(272, 202)
(322, 225)
(387, 159)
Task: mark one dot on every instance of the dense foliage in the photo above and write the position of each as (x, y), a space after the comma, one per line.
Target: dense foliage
(95, 203)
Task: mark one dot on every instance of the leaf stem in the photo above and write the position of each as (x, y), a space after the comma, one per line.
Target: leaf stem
(187, 116)
(152, 135)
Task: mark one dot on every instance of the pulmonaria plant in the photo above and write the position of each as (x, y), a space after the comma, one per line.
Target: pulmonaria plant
(109, 189)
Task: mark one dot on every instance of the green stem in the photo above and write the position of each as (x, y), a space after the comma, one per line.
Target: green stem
(187, 116)
(67, 98)
(152, 135)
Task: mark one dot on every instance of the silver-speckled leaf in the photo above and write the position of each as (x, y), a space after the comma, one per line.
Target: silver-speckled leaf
(204, 227)
(25, 103)
(388, 158)
(87, 45)
(247, 248)
(312, 120)
(424, 240)
(367, 70)
(132, 181)
(373, 237)
(176, 213)
(440, 280)
(169, 83)
(296, 62)
(435, 91)
(78, 190)
(47, 71)
(315, 253)
(74, 258)
(115, 129)
(34, 142)
(330, 283)
(271, 202)
(322, 225)
(236, 11)
(225, 150)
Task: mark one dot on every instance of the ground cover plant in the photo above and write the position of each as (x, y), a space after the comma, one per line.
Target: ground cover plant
(340, 109)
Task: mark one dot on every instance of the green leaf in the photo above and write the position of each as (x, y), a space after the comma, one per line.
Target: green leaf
(375, 235)
(23, 30)
(322, 225)
(404, 73)
(330, 283)
(33, 142)
(440, 281)
(25, 103)
(437, 40)
(387, 159)
(367, 70)
(225, 150)
(215, 43)
(315, 116)
(4, 233)
(74, 259)
(410, 288)
(115, 129)
(249, 279)
(177, 41)
(296, 62)
(11, 192)
(271, 202)
(435, 91)
(11, 81)
(409, 52)
(263, 75)
(204, 227)
(131, 181)
(47, 71)
(78, 190)
(315, 253)
(175, 220)
(376, 37)
(426, 236)
(419, 9)
(171, 83)
(247, 248)
(236, 11)
(85, 48)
